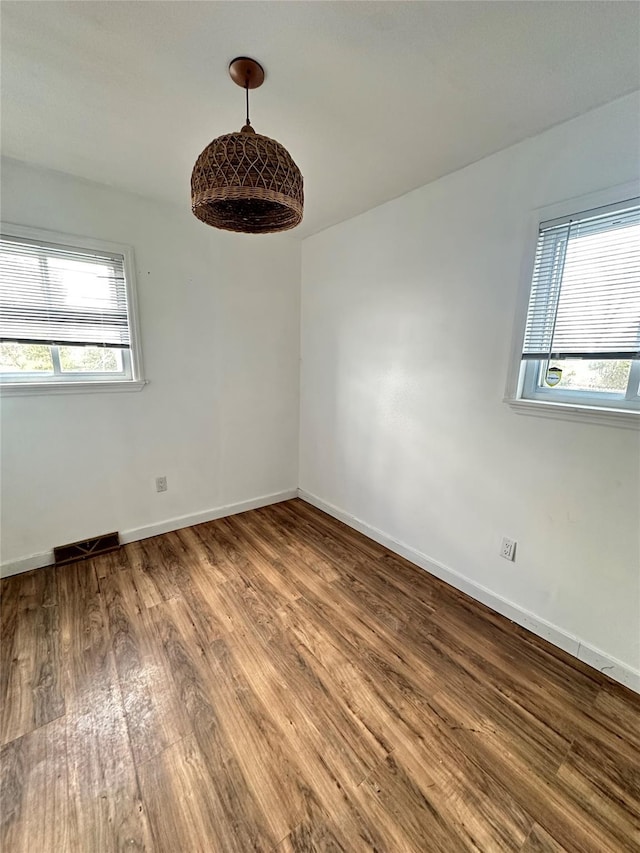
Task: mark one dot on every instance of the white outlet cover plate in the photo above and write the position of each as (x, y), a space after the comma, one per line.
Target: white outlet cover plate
(508, 549)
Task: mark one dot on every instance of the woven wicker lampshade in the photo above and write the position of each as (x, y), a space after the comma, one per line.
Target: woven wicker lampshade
(244, 181)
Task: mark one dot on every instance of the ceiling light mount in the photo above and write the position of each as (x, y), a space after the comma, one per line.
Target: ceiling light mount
(244, 181)
(246, 72)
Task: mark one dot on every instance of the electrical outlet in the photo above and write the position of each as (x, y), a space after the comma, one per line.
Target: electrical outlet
(161, 484)
(508, 549)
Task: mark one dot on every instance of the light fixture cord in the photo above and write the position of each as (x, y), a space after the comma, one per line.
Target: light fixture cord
(246, 89)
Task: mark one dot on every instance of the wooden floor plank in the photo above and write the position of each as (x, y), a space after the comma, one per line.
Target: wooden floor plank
(86, 656)
(184, 809)
(151, 704)
(616, 714)
(539, 841)
(31, 685)
(608, 779)
(421, 740)
(143, 578)
(418, 823)
(36, 812)
(102, 778)
(562, 810)
(264, 574)
(203, 559)
(207, 699)
(324, 732)
(259, 746)
(279, 540)
(277, 681)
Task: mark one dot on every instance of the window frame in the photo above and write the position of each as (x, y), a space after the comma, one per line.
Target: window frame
(533, 390)
(83, 381)
(522, 376)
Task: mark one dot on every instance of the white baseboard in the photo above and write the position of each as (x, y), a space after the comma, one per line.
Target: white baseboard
(45, 558)
(26, 564)
(588, 654)
(207, 515)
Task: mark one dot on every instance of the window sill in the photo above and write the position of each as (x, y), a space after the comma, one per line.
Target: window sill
(625, 418)
(11, 389)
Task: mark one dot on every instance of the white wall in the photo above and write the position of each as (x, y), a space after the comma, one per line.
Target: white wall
(220, 336)
(407, 314)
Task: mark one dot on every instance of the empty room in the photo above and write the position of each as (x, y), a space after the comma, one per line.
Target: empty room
(320, 426)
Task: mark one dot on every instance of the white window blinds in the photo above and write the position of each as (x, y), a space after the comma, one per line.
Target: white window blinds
(585, 293)
(54, 294)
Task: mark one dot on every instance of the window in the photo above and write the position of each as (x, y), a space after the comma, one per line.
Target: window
(67, 314)
(582, 335)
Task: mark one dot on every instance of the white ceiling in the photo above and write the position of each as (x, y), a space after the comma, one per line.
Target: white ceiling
(372, 99)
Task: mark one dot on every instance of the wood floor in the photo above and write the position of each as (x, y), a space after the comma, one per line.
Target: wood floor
(276, 681)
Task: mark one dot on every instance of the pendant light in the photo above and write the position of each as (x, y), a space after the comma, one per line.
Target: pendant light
(245, 181)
